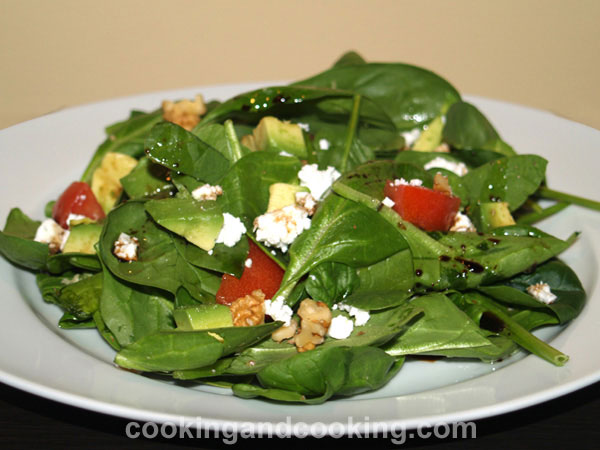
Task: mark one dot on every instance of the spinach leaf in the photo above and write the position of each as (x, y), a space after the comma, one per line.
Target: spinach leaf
(442, 327)
(69, 322)
(124, 137)
(60, 262)
(178, 149)
(160, 263)
(315, 376)
(222, 139)
(409, 95)
(131, 312)
(147, 179)
(341, 231)
(182, 350)
(81, 298)
(17, 244)
(512, 179)
(382, 327)
(330, 282)
(289, 101)
(349, 59)
(563, 283)
(497, 318)
(468, 129)
(257, 357)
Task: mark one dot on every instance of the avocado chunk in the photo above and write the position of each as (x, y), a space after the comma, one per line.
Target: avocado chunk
(273, 135)
(431, 137)
(490, 215)
(82, 238)
(198, 222)
(203, 317)
(106, 184)
(283, 194)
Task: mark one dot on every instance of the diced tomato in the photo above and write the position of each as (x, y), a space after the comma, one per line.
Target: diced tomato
(78, 198)
(428, 209)
(263, 274)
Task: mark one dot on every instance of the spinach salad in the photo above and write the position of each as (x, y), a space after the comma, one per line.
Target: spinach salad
(299, 242)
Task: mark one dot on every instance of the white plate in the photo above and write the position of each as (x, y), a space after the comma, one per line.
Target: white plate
(40, 157)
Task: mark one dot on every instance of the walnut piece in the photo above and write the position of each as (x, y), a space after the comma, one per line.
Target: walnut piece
(316, 319)
(285, 332)
(249, 310)
(185, 113)
(440, 184)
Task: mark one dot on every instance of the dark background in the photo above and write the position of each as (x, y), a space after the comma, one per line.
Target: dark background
(29, 421)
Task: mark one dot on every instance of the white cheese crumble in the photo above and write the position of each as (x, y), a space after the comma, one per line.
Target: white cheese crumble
(541, 292)
(388, 202)
(411, 136)
(232, 231)
(284, 153)
(278, 310)
(126, 247)
(324, 144)
(360, 315)
(304, 126)
(438, 162)
(74, 217)
(248, 263)
(307, 201)
(462, 223)
(413, 182)
(341, 327)
(51, 233)
(317, 181)
(207, 192)
(279, 228)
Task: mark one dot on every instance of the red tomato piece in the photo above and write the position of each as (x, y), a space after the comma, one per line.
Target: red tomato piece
(263, 274)
(423, 207)
(78, 198)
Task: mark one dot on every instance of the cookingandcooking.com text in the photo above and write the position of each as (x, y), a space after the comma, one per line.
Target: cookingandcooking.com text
(230, 433)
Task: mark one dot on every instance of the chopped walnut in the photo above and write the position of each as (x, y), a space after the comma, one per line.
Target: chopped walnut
(440, 184)
(316, 319)
(249, 310)
(185, 113)
(285, 332)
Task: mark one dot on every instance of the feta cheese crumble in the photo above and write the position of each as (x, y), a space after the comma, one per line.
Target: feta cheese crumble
(542, 293)
(248, 263)
(126, 247)
(306, 201)
(388, 202)
(360, 315)
(207, 192)
(413, 182)
(324, 144)
(278, 310)
(462, 223)
(51, 233)
(284, 153)
(438, 162)
(341, 327)
(232, 230)
(317, 181)
(279, 228)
